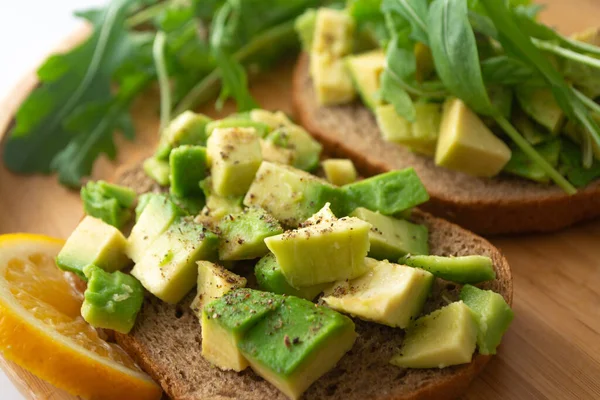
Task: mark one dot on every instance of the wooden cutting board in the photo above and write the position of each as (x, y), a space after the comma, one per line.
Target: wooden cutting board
(552, 350)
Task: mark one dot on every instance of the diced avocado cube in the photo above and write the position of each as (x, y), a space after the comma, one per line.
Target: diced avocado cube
(333, 34)
(187, 128)
(188, 167)
(235, 157)
(219, 206)
(291, 195)
(390, 193)
(154, 219)
(227, 319)
(111, 300)
(445, 337)
(467, 145)
(93, 242)
(389, 294)
(214, 282)
(365, 70)
(124, 195)
(331, 80)
(493, 316)
(271, 279)
(339, 171)
(274, 119)
(110, 203)
(296, 344)
(323, 215)
(322, 253)
(392, 238)
(143, 201)
(276, 154)
(521, 165)
(305, 27)
(158, 170)
(463, 269)
(242, 235)
(189, 205)
(168, 268)
(306, 150)
(540, 104)
(260, 128)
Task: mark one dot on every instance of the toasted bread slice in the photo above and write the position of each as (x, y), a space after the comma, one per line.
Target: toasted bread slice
(483, 205)
(166, 340)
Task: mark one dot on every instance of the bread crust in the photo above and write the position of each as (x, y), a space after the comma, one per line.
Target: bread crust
(500, 205)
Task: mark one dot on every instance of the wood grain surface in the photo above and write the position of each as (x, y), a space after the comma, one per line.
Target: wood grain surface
(552, 350)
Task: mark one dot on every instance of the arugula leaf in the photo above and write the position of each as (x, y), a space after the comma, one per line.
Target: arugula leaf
(506, 70)
(413, 11)
(393, 92)
(570, 164)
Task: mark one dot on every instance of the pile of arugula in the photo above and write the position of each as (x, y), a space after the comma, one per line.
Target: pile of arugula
(192, 48)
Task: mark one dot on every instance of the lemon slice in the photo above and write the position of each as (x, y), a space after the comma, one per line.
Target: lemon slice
(42, 330)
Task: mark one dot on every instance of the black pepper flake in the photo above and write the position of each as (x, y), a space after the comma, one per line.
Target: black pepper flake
(286, 341)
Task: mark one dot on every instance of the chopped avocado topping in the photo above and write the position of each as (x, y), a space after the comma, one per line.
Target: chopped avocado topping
(339, 171)
(323, 215)
(158, 170)
(187, 128)
(305, 27)
(306, 150)
(93, 242)
(227, 319)
(168, 268)
(521, 165)
(392, 238)
(271, 279)
(332, 82)
(467, 145)
(464, 269)
(493, 316)
(365, 70)
(274, 119)
(189, 205)
(111, 300)
(541, 105)
(388, 294)
(334, 33)
(322, 253)
(242, 235)
(260, 128)
(235, 157)
(276, 154)
(188, 167)
(214, 282)
(296, 344)
(110, 203)
(445, 337)
(219, 206)
(143, 201)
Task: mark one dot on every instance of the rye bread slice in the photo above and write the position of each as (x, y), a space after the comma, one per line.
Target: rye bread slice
(166, 340)
(486, 206)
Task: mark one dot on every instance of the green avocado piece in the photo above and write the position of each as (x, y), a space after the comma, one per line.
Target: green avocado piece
(389, 193)
(273, 153)
(93, 242)
(227, 319)
(521, 165)
(540, 104)
(493, 316)
(392, 238)
(331, 80)
(214, 282)
(143, 201)
(158, 170)
(261, 128)
(339, 171)
(463, 269)
(529, 130)
(365, 70)
(219, 206)
(187, 128)
(242, 235)
(333, 34)
(271, 279)
(111, 300)
(305, 27)
(323, 215)
(306, 150)
(110, 203)
(443, 338)
(296, 344)
(188, 167)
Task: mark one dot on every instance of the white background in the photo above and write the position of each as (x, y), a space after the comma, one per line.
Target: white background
(29, 29)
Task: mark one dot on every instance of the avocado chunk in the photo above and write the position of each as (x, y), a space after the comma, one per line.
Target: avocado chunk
(189, 205)
(214, 282)
(271, 279)
(235, 157)
(188, 167)
(305, 28)
(93, 242)
(274, 119)
(276, 154)
(339, 171)
(331, 80)
(392, 238)
(334, 33)
(388, 294)
(323, 215)
(111, 300)
(187, 128)
(521, 165)
(540, 104)
(218, 206)
(157, 215)
(242, 235)
(443, 338)
(110, 203)
(168, 268)
(322, 253)
(420, 136)
(365, 70)
(291, 195)
(227, 319)
(306, 150)
(296, 344)
(463, 269)
(260, 128)
(158, 170)
(390, 194)
(467, 145)
(493, 316)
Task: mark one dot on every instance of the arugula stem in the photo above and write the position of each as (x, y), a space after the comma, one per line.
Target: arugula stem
(147, 14)
(158, 53)
(566, 53)
(581, 46)
(594, 107)
(528, 149)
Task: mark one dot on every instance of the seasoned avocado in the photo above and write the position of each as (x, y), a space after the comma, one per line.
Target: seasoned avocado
(521, 165)
(331, 80)
(322, 253)
(493, 316)
(274, 119)
(235, 156)
(305, 27)
(467, 145)
(111, 300)
(276, 154)
(333, 34)
(271, 279)
(186, 128)
(323, 215)
(242, 235)
(388, 294)
(306, 150)
(445, 337)
(218, 206)
(392, 238)
(189, 205)
(157, 170)
(188, 167)
(110, 203)
(296, 344)
(227, 319)
(260, 128)
(339, 171)
(214, 282)
(93, 242)
(541, 105)
(365, 70)
(464, 269)
(168, 268)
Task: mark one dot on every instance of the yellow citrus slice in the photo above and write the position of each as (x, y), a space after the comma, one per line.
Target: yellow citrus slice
(42, 330)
